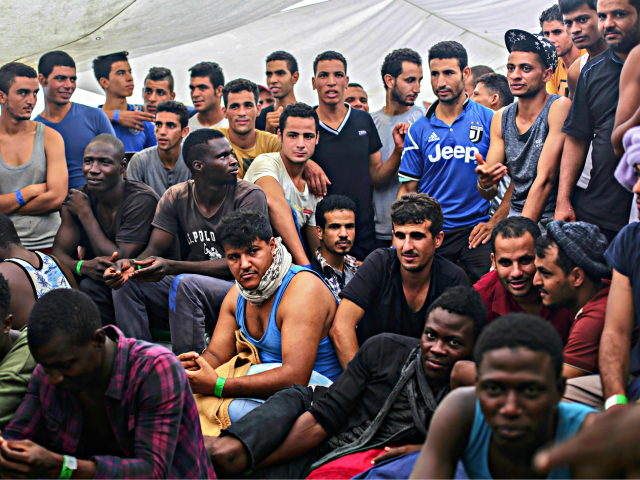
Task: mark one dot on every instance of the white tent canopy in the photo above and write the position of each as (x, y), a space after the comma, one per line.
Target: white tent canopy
(240, 34)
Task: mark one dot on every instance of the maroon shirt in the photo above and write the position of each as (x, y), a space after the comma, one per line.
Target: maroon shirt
(498, 302)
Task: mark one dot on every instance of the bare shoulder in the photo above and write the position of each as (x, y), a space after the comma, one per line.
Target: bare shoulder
(14, 274)
(560, 107)
(50, 135)
(307, 289)
(231, 300)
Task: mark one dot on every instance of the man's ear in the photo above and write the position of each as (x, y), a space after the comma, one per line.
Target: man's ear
(319, 232)
(495, 99)
(8, 323)
(493, 260)
(439, 239)
(389, 81)
(197, 165)
(279, 134)
(313, 82)
(465, 73)
(99, 339)
(104, 83)
(546, 76)
(317, 137)
(123, 165)
(41, 80)
(272, 245)
(185, 132)
(577, 277)
(172, 96)
(294, 78)
(219, 91)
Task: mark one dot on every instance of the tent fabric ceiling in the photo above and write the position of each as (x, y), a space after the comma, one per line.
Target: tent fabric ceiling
(240, 34)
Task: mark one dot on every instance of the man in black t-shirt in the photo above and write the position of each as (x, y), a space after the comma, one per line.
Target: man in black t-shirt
(110, 218)
(186, 293)
(591, 119)
(282, 75)
(394, 287)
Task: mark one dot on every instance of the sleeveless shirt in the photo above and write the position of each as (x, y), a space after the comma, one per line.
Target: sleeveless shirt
(35, 231)
(270, 345)
(523, 152)
(48, 276)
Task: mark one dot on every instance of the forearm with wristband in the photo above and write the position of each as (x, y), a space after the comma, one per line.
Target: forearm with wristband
(615, 400)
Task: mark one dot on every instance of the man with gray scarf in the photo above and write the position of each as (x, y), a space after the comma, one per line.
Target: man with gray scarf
(386, 396)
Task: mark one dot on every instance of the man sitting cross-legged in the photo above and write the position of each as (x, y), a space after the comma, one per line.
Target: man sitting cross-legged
(30, 274)
(163, 290)
(284, 310)
(394, 287)
(514, 409)
(386, 396)
(121, 406)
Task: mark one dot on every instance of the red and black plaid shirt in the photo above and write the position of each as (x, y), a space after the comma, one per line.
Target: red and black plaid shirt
(149, 404)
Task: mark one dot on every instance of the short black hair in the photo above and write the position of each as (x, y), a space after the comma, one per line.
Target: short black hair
(197, 142)
(329, 55)
(392, 64)
(262, 88)
(157, 74)
(112, 140)
(479, 70)
(450, 49)
(356, 85)
(5, 298)
(178, 108)
(54, 59)
(242, 227)
(514, 227)
(102, 65)
(568, 6)
(66, 311)
(10, 71)
(551, 14)
(298, 110)
(332, 203)
(211, 70)
(466, 302)
(562, 260)
(8, 234)
(497, 83)
(521, 330)
(416, 208)
(240, 85)
(292, 63)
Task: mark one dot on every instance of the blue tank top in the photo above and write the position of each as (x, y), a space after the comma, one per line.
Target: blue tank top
(476, 456)
(270, 345)
(47, 277)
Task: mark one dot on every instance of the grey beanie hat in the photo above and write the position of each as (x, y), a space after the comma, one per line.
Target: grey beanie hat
(583, 243)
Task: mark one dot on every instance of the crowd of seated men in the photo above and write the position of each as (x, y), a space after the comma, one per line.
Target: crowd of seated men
(441, 292)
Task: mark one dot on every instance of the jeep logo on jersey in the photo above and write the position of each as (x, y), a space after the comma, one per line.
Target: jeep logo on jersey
(458, 151)
(475, 133)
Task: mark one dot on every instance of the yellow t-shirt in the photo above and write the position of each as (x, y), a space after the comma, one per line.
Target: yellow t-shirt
(265, 143)
(558, 83)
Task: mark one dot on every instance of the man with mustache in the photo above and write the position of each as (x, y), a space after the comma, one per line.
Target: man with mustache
(438, 159)
(33, 171)
(401, 75)
(594, 114)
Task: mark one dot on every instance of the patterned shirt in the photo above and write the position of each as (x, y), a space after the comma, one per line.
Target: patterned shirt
(149, 405)
(337, 280)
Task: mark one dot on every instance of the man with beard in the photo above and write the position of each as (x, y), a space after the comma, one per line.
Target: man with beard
(33, 173)
(336, 230)
(401, 76)
(438, 159)
(591, 121)
(282, 75)
(162, 166)
(527, 134)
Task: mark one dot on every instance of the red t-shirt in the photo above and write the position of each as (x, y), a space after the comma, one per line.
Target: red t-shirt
(582, 348)
(498, 302)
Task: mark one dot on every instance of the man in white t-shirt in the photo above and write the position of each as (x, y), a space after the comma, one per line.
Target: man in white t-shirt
(279, 174)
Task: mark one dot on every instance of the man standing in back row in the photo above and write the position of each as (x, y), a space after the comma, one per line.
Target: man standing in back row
(282, 75)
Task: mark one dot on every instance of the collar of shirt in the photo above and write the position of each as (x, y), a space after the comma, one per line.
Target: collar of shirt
(436, 121)
(118, 374)
(344, 121)
(396, 276)
(504, 303)
(349, 262)
(614, 57)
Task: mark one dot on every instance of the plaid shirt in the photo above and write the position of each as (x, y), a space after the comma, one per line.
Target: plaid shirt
(149, 404)
(333, 277)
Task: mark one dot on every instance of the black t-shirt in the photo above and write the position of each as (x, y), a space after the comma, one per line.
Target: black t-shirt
(604, 202)
(261, 120)
(343, 154)
(360, 392)
(377, 289)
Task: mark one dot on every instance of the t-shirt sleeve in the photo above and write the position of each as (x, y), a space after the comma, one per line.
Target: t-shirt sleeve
(135, 171)
(166, 216)
(262, 166)
(622, 249)
(364, 287)
(274, 144)
(411, 163)
(375, 143)
(581, 350)
(579, 121)
(135, 226)
(255, 201)
(150, 131)
(102, 123)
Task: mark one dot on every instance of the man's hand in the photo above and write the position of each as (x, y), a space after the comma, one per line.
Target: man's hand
(395, 452)
(25, 459)
(489, 176)
(34, 190)
(151, 269)
(273, 121)
(399, 132)
(135, 119)
(316, 179)
(77, 202)
(204, 379)
(188, 361)
(96, 267)
(481, 234)
(119, 273)
(564, 211)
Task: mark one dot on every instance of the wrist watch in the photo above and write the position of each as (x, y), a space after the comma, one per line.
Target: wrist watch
(69, 465)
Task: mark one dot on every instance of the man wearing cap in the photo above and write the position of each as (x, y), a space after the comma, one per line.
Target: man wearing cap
(573, 273)
(527, 135)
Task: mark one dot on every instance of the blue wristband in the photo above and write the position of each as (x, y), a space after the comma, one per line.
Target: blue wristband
(116, 116)
(19, 198)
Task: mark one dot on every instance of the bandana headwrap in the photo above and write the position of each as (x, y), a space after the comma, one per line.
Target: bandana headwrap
(272, 278)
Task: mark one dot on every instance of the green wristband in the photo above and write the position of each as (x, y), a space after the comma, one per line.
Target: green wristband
(69, 465)
(133, 261)
(78, 267)
(217, 391)
(615, 400)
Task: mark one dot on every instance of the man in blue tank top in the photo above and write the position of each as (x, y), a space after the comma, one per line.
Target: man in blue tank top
(284, 310)
(513, 411)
